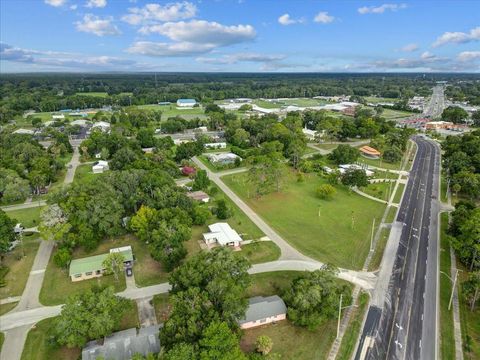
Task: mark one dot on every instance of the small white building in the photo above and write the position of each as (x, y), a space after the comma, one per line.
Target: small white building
(102, 125)
(310, 134)
(186, 102)
(223, 235)
(343, 168)
(24, 132)
(219, 145)
(100, 166)
(201, 129)
(223, 158)
(57, 117)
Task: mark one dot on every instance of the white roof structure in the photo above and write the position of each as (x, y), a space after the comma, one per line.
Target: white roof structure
(104, 126)
(222, 157)
(309, 133)
(58, 117)
(345, 167)
(80, 122)
(24, 132)
(222, 233)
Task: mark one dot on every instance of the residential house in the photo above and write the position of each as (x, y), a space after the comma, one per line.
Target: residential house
(219, 145)
(262, 311)
(24, 132)
(123, 345)
(223, 158)
(92, 266)
(199, 196)
(223, 235)
(58, 117)
(310, 134)
(102, 125)
(100, 166)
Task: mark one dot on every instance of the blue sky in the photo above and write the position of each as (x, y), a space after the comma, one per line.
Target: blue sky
(239, 35)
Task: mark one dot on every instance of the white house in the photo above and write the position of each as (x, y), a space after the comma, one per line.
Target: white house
(102, 125)
(100, 166)
(186, 102)
(24, 132)
(309, 134)
(222, 234)
(219, 145)
(223, 158)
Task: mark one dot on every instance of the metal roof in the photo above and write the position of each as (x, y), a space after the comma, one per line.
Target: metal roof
(94, 263)
(260, 308)
(222, 233)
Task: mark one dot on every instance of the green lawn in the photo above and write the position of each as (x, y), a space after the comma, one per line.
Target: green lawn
(447, 338)
(340, 235)
(260, 251)
(379, 163)
(399, 193)
(2, 339)
(5, 308)
(380, 190)
(395, 114)
(95, 94)
(391, 214)
(385, 174)
(19, 266)
(470, 322)
(290, 341)
(172, 111)
(304, 102)
(37, 346)
(443, 189)
(83, 172)
(351, 335)
(27, 217)
(379, 249)
(267, 104)
(213, 167)
(326, 146)
(375, 100)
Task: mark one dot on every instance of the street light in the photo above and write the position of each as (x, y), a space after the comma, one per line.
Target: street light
(454, 280)
(340, 308)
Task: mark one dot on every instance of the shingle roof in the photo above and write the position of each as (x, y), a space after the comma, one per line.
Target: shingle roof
(94, 263)
(263, 307)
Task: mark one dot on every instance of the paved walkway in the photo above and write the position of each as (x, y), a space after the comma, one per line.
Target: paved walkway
(361, 193)
(36, 203)
(146, 312)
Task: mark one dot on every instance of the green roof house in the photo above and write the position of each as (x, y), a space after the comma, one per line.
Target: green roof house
(91, 267)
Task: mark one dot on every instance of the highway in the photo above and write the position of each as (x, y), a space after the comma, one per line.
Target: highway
(402, 318)
(436, 104)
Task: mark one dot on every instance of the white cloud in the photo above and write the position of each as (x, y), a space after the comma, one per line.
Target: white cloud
(409, 48)
(285, 19)
(152, 13)
(202, 32)
(426, 55)
(458, 37)
(241, 57)
(381, 9)
(323, 18)
(55, 3)
(467, 56)
(73, 7)
(96, 3)
(98, 26)
(150, 48)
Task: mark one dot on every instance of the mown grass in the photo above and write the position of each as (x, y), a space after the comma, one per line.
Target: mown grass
(399, 193)
(335, 231)
(260, 251)
(379, 249)
(470, 321)
(27, 217)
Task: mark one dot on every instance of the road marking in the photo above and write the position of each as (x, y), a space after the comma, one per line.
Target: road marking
(37, 271)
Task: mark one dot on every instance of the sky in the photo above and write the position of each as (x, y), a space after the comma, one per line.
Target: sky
(239, 36)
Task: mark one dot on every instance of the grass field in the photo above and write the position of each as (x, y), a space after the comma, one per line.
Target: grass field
(83, 172)
(379, 163)
(326, 146)
(443, 189)
(27, 217)
(94, 94)
(19, 266)
(172, 111)
(395, 114)
(375, 100)
(380, 190)
(261, 251)
(399, 193)
(379, 249)
(5, 308)
(470, 322)
(2, 339)
(303, 102)
(289, 341)
(351, 334)
(447, 339)
(37, 346)
(391, 214)
(267, 104)
(340, 235)
(162, 306)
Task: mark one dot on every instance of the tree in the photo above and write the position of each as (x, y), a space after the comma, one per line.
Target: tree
(113, 264)
(355, 177)
(454, 114)
(223, 211)
(326, 191)
(344, 154)
(7, 235)
(471, 289)
(91, 314)
(201, 182)
(476, 118)
(180, 351)
(313, 298)
(62, 257)
(54, 223)
(392, 155)
(218, 342)
(263, 344)
(12, 187)
(240, 138)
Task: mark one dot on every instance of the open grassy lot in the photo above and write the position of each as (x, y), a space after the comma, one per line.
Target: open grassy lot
(27, 217)
(399, 193)
(380, 190)
(391, 215)
(379, 163)
(271, 283)
(326, 146)
(376, 100)
(37, 346)
(447, 338)
(268, 104)
(19, 266)
(260, 251)
(385, 174)
(5, 308)
(83, 172)
(335, 231)
(379, 249)
(303, 102)
(395, 114)
(2, 339)
(172, 111)
(349, 340)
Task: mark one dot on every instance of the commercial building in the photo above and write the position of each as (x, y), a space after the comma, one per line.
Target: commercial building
(263, 310)
(92, 266)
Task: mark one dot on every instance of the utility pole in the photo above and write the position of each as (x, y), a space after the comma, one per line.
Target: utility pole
(371, 238)
(339, 315)
(453, 289)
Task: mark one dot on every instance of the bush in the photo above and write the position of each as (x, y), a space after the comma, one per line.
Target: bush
(223, 211)
(62, 257)
(326, 191)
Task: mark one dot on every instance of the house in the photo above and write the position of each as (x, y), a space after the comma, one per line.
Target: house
(219, 145)
(222, 234)
(263, 310)
(223, 158)
(102, 125)
(309, 134)
(122, 345)
(92, 266)
(100, 166)
(186, 102)
(80, 122)
(369, 152)
(199, 196)
(24, 132)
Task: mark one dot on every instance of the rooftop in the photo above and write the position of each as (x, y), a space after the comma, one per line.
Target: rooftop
(94, 263)
(262, 307)
(369, 150)
(223, 233)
